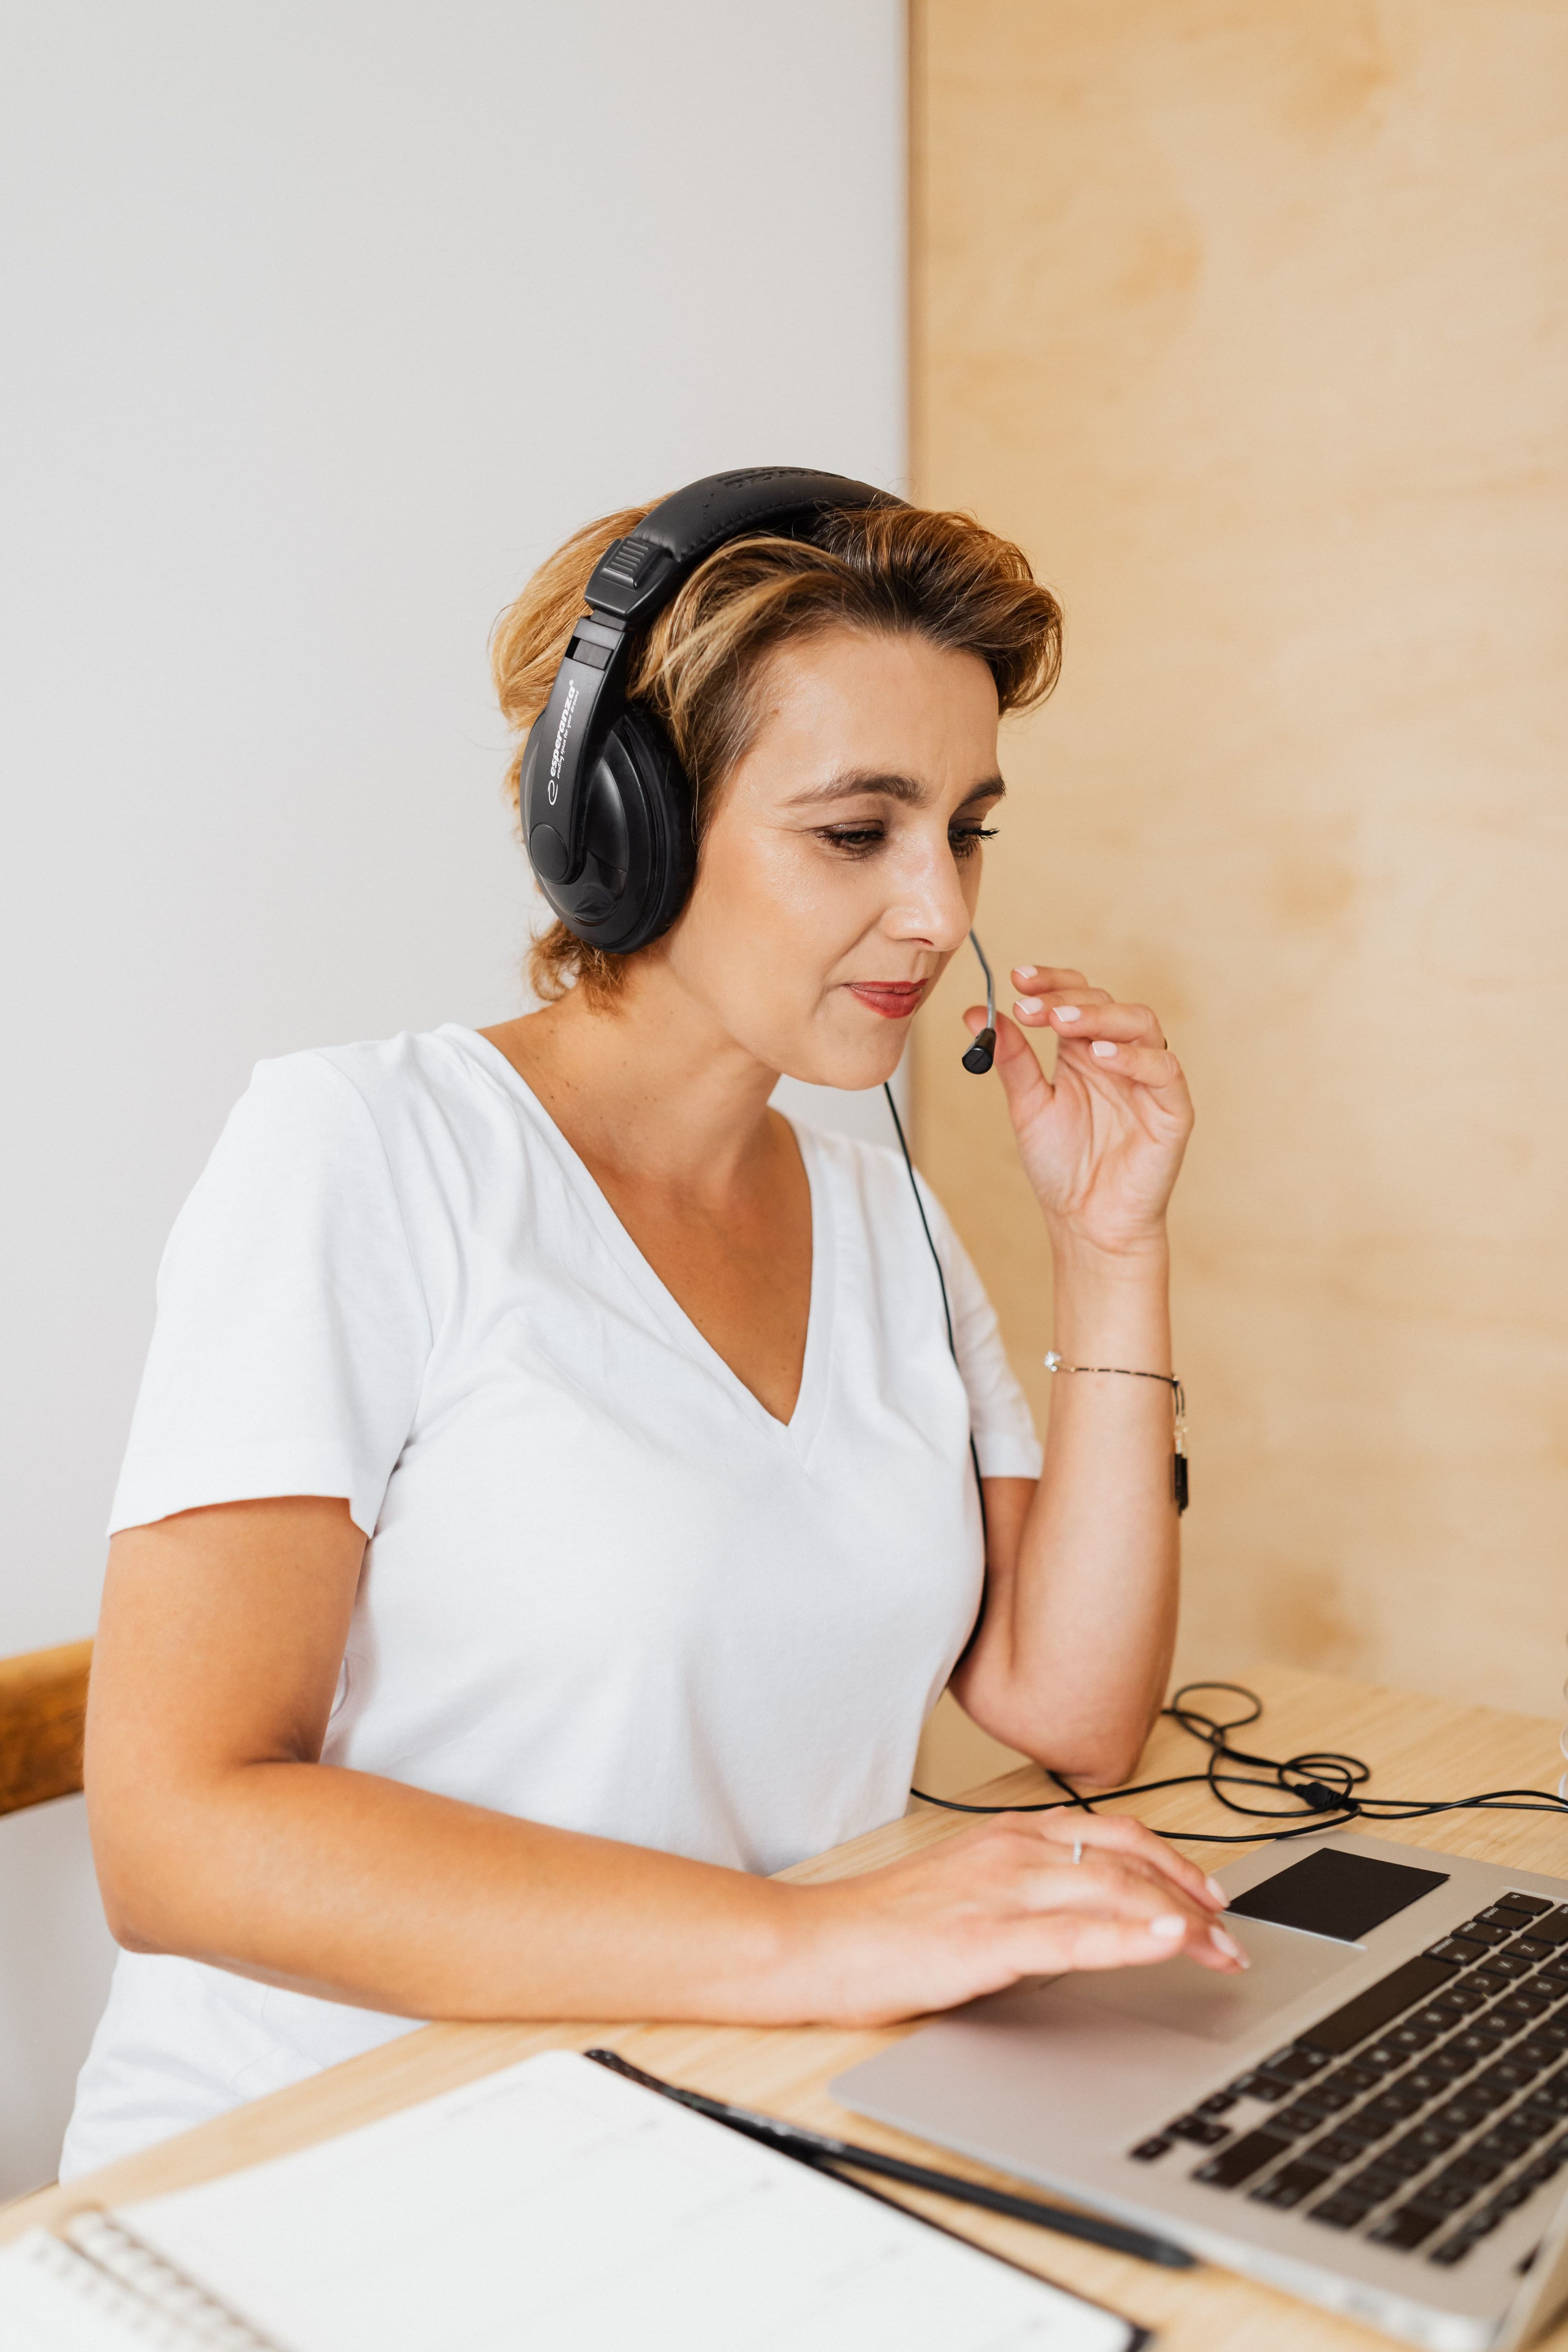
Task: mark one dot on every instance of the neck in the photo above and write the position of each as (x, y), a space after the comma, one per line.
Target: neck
(650, 1086)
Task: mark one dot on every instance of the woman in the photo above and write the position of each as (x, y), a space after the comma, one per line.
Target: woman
(550, 1508)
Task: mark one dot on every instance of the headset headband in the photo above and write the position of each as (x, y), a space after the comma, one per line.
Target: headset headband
(633, 579)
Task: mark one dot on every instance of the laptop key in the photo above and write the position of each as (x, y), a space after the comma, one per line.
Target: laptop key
(1404, 2040)
(1406, 2228)
(1446, 2064)
(1297, 2119)
(1201, 2129)
(1428, 2140)
(1530, 1903)
(1460, 2114)
(1525, 2002)
(1367, 2129)
(1352, 2080)
(1532, 1946)
(1340, 2146)
(1551, 1927)
(1294, 2066)
(1403, 2160)
(1291, 2185)
(1469, 2234)
(1241, 2159)
(1330, 2095)
(1385, 2114)
(1363, 2135)
(1262, 2085)
(1506, 2140)
(1483, 2095)
(1340, 2212)
(1513, 2072)
(1375, 2183)
(1478, 2042)
(1457, 1948)
(1422, 2083)
(1149, 2151)
(1445, 2195)
(1483, 1930)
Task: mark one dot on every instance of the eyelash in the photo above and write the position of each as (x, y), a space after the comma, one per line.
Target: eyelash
(860, 840)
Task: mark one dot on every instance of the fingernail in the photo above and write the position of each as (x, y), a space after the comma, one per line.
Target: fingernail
(1168, 1927)
(1069, 1012)
(1217, 1890)
(1228, 1946)
(1026, 1005)
(1103, 1047)
(1024, 970)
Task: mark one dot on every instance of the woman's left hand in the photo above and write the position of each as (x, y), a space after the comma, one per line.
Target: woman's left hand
(1101, 1144)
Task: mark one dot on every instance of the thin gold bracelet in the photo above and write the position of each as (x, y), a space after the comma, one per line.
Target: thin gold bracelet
(1179, 1479)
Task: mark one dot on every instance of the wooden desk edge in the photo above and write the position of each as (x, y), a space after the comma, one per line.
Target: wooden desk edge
(786, 2069)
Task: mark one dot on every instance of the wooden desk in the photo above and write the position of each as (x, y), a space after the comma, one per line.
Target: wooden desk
(1418, 1746)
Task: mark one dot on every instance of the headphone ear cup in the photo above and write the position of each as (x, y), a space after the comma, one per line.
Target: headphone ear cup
(640, 841)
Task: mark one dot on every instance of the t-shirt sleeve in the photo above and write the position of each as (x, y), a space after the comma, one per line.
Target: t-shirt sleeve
(999, 1413)
(291, 1334)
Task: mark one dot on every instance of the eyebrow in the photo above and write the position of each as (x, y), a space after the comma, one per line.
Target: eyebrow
(852, 782)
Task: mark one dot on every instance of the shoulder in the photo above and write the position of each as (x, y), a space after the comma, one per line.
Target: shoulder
(410, 1093)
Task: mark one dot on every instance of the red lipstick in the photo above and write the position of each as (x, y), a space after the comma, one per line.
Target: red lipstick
(895, 1000)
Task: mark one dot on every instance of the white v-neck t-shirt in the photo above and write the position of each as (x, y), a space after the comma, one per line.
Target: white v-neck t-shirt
(604, 1587)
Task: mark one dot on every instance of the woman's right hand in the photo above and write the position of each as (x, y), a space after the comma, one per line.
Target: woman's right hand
(1002, 1901)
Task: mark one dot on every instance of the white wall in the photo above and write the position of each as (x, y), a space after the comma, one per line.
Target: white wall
(324, 323)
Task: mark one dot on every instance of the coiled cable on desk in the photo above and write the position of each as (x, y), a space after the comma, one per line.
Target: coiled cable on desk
(1323, 1782)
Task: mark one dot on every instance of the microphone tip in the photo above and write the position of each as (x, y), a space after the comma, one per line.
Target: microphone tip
(981, 1053)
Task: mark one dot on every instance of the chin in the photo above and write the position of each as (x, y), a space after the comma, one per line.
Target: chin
(851, 1067)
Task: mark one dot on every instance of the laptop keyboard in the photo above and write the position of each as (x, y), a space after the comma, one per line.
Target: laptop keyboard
(1422, 2113)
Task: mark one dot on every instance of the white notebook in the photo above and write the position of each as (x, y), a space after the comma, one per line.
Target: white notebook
(552, 2205)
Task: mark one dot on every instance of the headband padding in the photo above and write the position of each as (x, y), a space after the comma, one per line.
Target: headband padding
(636, 574)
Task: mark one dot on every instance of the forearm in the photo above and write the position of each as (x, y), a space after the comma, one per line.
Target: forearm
(1075, 1647)
(356, 1889)
(363, 1890)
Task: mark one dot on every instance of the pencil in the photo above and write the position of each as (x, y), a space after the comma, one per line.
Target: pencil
(817, 2148)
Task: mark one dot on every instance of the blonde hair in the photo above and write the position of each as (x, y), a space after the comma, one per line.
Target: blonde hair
(888, 570)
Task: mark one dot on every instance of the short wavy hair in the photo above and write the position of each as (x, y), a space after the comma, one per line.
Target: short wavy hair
(890, 570)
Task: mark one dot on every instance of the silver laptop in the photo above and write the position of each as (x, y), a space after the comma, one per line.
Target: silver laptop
(1375, 2117)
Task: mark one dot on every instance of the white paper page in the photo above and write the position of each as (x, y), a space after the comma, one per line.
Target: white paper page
(556, 2204)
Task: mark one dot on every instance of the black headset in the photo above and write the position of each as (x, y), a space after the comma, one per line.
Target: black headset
(608, 813)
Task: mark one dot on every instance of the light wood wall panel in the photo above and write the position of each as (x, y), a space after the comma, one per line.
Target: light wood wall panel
(1246, 317)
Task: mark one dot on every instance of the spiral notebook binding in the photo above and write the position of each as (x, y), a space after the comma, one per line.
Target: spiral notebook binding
(162, 2290)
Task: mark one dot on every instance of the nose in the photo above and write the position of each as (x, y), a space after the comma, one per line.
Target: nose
(929, 909)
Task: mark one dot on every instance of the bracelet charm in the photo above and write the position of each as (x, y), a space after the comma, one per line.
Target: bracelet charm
(1179, 1485)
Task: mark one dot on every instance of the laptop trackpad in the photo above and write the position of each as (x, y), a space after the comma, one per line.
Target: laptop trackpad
(1189, 2000)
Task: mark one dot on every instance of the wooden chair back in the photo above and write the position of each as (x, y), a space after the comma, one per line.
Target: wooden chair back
(43, 1713)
